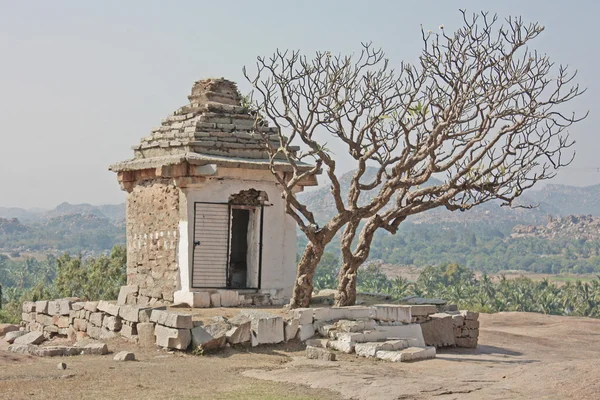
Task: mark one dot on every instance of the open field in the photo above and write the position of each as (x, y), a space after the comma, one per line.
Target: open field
(521, 356)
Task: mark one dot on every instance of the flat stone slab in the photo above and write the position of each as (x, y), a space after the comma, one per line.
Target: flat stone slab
(421, 300)
(393, 313)
(31, 338)
(409, 354)
(11, 336)
(370, 349)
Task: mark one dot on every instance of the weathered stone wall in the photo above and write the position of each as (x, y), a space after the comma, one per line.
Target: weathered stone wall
(152, 241)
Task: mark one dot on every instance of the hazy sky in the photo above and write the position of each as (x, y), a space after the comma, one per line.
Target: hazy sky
(82, 81)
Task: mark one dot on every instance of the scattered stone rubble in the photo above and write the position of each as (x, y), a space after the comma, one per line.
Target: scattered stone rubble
(386, 331)
(570, 226)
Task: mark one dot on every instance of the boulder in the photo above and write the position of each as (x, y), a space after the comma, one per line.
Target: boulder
(5, 328)
(124, 356)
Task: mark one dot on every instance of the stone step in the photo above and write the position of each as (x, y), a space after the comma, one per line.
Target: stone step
(410, 332)
(408, 354)
(370, 349)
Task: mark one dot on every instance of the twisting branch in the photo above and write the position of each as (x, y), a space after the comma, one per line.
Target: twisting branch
(480, 111)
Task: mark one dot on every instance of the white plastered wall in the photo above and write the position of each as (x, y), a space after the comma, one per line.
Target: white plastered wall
(279, 233)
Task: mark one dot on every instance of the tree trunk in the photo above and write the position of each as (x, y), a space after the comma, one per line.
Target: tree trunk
(346, 290)
(303, 287)
(351, 261)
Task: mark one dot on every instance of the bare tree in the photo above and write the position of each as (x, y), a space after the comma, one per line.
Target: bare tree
(480, 111)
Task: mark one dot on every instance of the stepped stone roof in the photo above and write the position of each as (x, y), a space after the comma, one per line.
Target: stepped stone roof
(214, 128)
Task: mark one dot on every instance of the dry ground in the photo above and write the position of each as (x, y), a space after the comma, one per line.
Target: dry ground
(521, 356)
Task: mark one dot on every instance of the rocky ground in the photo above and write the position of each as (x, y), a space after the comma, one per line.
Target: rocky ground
(521, 356)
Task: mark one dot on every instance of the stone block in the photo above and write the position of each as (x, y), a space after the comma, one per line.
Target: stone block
(128, 330)
(108, 308)
(241, 332)
(393, 313)
(412, 332)
(28, 307)
(106, 334)
(41, 306)
(423, 310)
(409, 354)
(50, 329)
(78, 305)
(317, 343)
(354, 326)
(439, 331)
(124, 292)
(30, 338)
(145, 313)
(27, 317)
(229, 298)
(470, 315)
(322, 314)
(63, 306)
(96, 349)
(43, 319)
(96, 318)
(80, 324)
(112, 323)
(95, 332)
(267, 328)
(145, 332)
(474, 333)
(124, 356)
(370, 349)
(172, 338)
(458, 320)
(344, 347)
(471, 324)
(318, 353)
(171, 319)
(132, 313)
(210, 337)
(91, 306)
(12, 335)
(215, 300)
(470, 343)
(53, 308)
(290, 329)
(63, 322)
(303, 315)
(192, 299)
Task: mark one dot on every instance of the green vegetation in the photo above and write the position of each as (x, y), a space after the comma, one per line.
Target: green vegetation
(483, 247)
(96, 278)
(458, 285)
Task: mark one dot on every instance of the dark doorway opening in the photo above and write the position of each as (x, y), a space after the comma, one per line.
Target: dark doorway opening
(238, 267)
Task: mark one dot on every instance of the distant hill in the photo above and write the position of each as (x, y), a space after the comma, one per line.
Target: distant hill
(112, 212)
(556, 200)
(75, 228)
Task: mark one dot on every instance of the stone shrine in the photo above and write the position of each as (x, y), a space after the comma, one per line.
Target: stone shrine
(206, 222)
